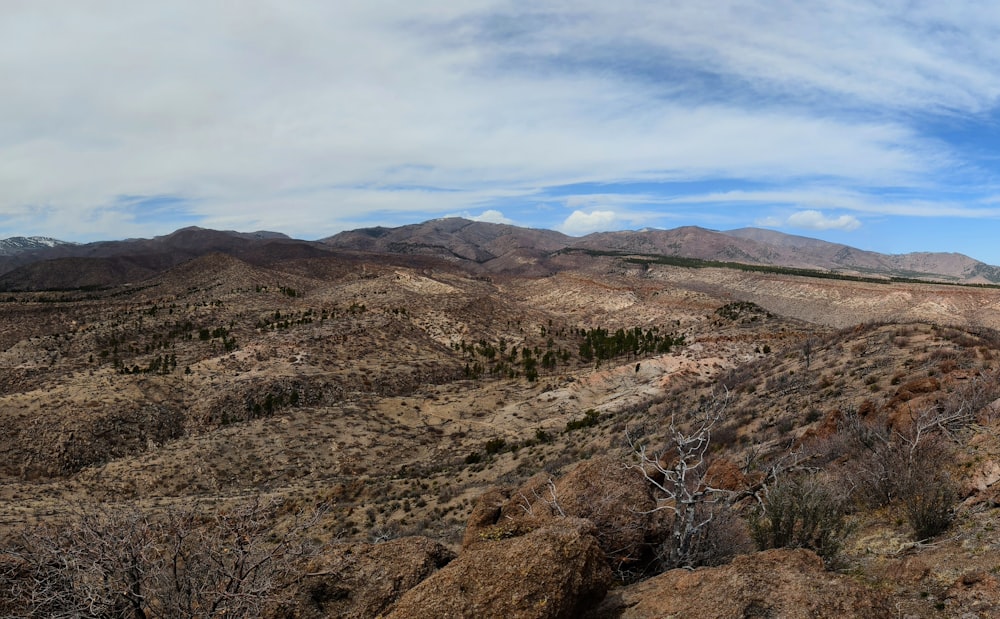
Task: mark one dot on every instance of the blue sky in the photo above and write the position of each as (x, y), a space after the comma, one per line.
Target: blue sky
(875, 124)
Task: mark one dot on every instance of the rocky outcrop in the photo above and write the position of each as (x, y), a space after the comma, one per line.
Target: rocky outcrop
(614, 498)
(553, 572)
(983, 484)
(484, 521)
(359, 581)
(791, 584)
(725, 474)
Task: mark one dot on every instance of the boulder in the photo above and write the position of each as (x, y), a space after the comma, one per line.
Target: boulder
(791, 584)
(556, 571)
(485, 516)
(725, 474)
(981, 485)
(616, 499)
(363, 580)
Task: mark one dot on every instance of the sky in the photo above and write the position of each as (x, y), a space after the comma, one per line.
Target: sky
(875, 124)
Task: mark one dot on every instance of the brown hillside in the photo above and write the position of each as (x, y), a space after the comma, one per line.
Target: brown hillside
(368, 400)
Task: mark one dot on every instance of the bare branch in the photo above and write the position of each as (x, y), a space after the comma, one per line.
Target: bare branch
(552, 501)
(118, 562)
(678, 475)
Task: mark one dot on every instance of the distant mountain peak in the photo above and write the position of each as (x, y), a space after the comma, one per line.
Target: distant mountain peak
(18, 244)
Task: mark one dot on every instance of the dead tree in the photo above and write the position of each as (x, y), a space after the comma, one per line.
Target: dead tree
(678, 475)
(97, 566)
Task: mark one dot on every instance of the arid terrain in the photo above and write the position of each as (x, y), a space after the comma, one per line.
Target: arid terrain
(457, 435)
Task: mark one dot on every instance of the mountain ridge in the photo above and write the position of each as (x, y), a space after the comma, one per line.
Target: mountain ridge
(456, 238)
(34, 263)
(16, 244)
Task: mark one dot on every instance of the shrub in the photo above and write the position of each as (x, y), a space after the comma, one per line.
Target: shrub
(785, 426)
(119, 562)
(724, 437)
(800, 513)
(929, 509)
(495, 446)
(907, 469)
(589, 419)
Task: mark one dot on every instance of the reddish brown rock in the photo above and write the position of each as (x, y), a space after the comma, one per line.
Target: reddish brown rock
(825, 429)
(791, 584)
(553, 572)
(911, 396)
(616, 499)
(485, 515)
(363, 580)
(981, 484)
(726, 475)
(975, 592)
(867, 409)
(910, 389)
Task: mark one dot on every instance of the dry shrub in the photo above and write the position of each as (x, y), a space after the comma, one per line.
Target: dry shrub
(801, 512)
(970, 400)
(906, 467)
(724, 437)
(743, 378)
(119, 562)
(698, 529)
(929, 506)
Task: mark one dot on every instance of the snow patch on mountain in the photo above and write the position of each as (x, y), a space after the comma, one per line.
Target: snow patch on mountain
(18, 244)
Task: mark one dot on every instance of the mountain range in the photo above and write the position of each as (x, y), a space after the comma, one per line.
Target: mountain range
(498, 247)
(34, 263)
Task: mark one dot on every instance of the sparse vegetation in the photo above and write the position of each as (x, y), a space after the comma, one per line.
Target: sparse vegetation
(801, 512)
(743, 311)
(589, 419)
(400, 392)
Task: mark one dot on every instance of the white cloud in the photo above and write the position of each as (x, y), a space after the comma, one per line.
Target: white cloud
(580, 222)
(816, 220)
(938, 56)
(299, 116)
(492, 216)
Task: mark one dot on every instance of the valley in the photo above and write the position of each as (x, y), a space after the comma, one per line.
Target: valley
(392, 392)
